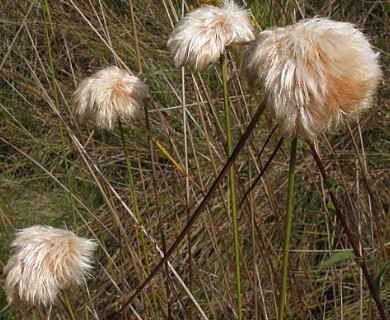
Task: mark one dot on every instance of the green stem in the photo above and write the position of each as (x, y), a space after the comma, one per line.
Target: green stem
(136, 209)
(232, 187)
(66, 298)
(85, 302)
(187, 197)
(33, 314)
(46, 16)
(287, 228)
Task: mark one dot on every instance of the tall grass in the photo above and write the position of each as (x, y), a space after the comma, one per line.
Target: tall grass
(42, 176)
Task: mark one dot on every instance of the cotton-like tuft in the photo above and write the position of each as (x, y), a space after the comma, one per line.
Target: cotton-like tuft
(43, 261)
(316, 72)
(199, 39)
(109, 94)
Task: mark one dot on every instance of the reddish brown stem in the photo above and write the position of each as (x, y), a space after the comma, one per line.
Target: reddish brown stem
(347, 230)
(198, 211)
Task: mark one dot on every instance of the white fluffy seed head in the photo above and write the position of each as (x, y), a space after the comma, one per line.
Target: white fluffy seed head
(316, 72)
(43, 261)
(199, 39)
(109, 94)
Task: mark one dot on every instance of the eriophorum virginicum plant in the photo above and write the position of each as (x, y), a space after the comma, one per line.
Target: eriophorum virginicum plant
(199, 41)
(108, 98)
(110, 94)
(44, 261)
(316, 74)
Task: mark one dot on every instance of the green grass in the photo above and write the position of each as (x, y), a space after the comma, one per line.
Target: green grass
(33, 179)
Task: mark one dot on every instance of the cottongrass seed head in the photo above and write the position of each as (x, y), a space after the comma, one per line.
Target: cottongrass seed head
(316, 72)
(199, 39)
(43, 261)
(109, 94)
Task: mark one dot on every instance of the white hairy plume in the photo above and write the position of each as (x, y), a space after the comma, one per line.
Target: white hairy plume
(317, 72)
(199, 39)
(109, 94)
(43, 261)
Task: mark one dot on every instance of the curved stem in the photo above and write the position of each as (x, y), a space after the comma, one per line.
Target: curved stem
(340, 216)
(287, 228)
(232, 186)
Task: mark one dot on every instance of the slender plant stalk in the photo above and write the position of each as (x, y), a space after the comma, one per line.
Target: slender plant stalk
(121, 259)
(287, 228)
(68, 305)
(85, 305)
(187, 196)
(232, 187)
(158, 211)
(136, 209)
(201, 206)
(47, 16)
(139, 65)
(135, 34)
(340, 216)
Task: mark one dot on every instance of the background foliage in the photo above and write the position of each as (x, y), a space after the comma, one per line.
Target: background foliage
(85, 36)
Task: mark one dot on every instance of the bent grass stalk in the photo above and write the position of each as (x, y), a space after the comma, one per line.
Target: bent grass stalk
(232, 186)
(287, 228)
(136, 209)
